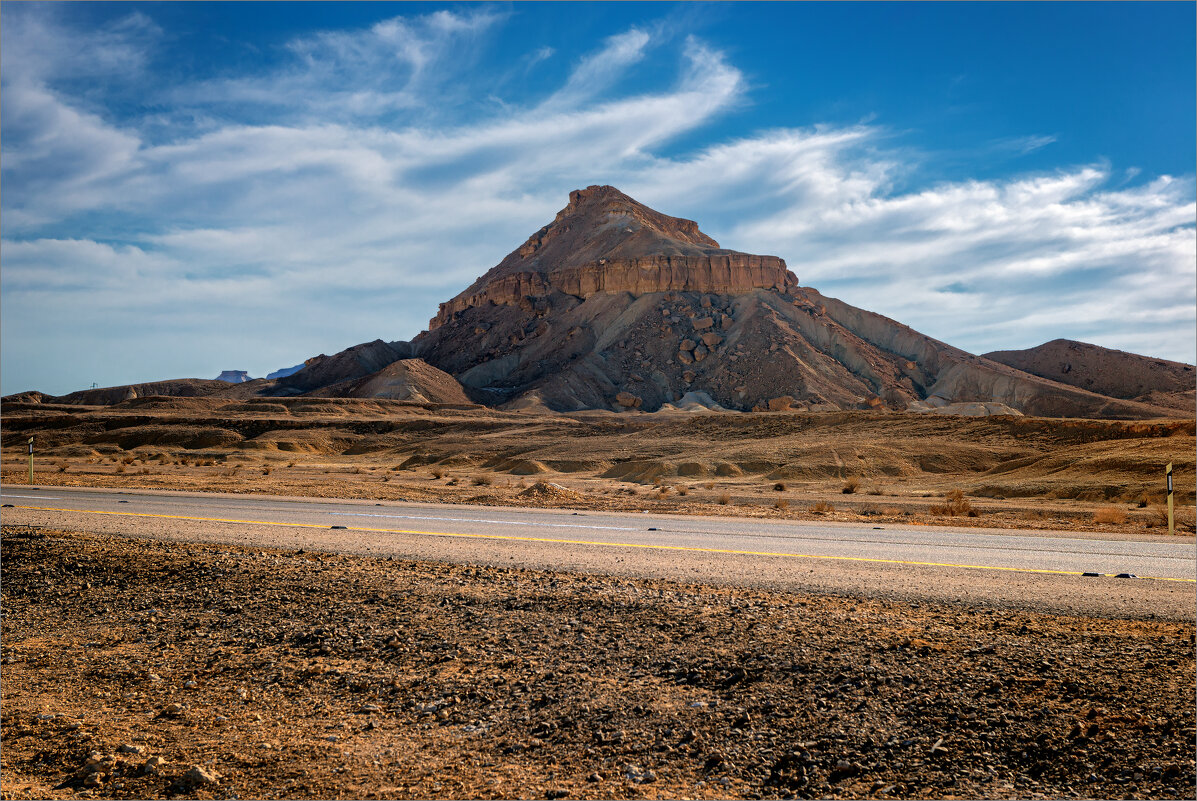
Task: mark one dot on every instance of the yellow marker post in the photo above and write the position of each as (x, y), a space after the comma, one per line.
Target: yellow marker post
(1171, 520)
(31, 461)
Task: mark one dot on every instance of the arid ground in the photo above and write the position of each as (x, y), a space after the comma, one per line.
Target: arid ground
(135, 669)
(1010, 471)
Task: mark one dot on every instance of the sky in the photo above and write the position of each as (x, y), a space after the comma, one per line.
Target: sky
(190, 187)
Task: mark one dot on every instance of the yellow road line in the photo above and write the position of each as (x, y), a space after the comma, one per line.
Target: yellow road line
(509, 537)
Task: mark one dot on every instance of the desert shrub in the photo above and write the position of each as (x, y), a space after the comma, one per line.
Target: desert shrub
(954, 505)
(266, 470)
(145, 471)
(483, 480)
(891, 511)
(781, 504)
(724, 499)
(874, 491)
(62, 466)
(127, 460)
(356, 471)
(120, 468)
(1157, 515)
(850, 486)
(868, 510)
(1112, 515)
(438, 473)
(291, 464)
(779, 486)
(709, 485)
(451, 482)
(683, 491)
(820, 507)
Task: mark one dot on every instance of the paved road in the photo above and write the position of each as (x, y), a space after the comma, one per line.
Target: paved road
(367, 525)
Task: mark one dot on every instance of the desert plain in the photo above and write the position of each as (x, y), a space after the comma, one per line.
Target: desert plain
(140, 668)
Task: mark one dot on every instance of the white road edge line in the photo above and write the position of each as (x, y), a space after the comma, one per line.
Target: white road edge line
(479, 520)
(39, 497)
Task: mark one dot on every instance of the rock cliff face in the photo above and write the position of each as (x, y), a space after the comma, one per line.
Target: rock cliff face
(604, 241)
(234, 376)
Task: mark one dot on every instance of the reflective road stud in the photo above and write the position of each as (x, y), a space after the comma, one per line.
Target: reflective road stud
(1172, 528)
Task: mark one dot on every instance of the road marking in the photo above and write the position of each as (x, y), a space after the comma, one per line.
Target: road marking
(478, 520)
(513, 538)
(39, 497)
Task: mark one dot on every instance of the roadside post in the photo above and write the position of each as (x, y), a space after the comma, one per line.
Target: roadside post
(1172, 525)
(31, 471)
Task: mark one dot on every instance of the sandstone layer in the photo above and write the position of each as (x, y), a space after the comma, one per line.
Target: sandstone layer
(604, 241)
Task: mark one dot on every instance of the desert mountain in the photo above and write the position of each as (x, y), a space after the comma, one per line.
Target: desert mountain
(615, 305)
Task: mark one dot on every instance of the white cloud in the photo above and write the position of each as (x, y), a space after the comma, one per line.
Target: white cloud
(267, 242)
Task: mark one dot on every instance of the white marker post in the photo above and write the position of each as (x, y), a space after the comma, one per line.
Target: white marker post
(1171, 521)
(31, 462)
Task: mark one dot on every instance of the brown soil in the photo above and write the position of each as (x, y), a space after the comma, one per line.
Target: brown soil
(847, 466)
(256, 673)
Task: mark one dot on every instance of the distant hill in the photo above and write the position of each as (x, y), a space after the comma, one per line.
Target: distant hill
(1115, 373)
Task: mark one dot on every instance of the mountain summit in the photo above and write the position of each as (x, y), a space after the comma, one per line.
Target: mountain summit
(604, 241)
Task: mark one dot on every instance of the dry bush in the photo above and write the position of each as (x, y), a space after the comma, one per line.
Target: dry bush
(891, 511)
(451, 482)
(120, 468)
(709, 485)
(779, 486)
(954, 506)
(386, 478)
(724, 499)
(127, 460)
(266, 470)
(1157, 515)
(483, 480)
(874, 491)
(356, 471)
(781, 504)
(822, 507)
(62, 466)
(438, 473)
(683, 491)
(145, 471)
(850, 486)
(290, 464)
(663, 491)
(1112, 515)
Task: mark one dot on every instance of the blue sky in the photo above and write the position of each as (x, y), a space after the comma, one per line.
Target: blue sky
(194, 187)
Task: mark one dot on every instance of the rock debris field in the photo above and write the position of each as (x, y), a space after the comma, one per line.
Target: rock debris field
(133, 669)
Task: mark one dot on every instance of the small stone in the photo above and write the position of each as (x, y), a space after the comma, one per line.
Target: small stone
(711, 339)
(594, 777)
(131, 749)
(197, 776)
(190, 684)
(687, 344)
(367, 709)
(703, 323)
(172, 711)
(92, 780)
(152, 765)
(684, 357)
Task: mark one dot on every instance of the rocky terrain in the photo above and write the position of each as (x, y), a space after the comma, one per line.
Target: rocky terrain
(135, 669)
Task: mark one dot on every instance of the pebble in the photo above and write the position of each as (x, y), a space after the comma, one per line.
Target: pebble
(152, 765)
(369, 708)
(131, 749)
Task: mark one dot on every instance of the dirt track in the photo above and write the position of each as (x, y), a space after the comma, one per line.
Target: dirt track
(283, 673)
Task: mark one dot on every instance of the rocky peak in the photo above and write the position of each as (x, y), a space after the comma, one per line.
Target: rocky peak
(605, 241)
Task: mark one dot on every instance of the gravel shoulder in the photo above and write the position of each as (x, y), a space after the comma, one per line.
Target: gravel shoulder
(137, 668)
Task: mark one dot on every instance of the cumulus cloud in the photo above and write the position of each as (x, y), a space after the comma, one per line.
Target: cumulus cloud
(337, 212)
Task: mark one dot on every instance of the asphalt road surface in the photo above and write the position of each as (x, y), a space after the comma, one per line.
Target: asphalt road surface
(1036, 568)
